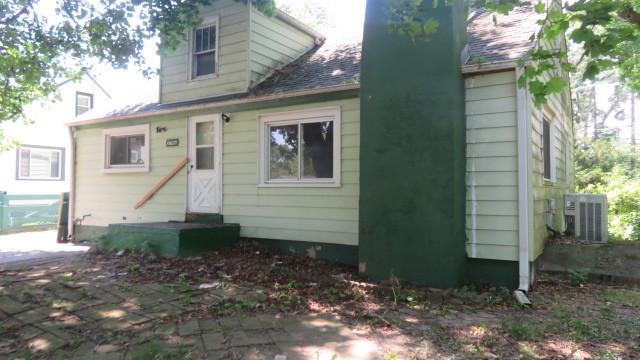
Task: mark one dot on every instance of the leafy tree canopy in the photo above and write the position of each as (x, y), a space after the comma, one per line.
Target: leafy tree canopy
(607, 32)
(38, 51)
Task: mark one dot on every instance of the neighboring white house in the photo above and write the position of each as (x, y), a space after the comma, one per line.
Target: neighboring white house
(40, 163)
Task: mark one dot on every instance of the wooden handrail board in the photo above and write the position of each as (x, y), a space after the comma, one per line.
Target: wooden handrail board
(161, 183)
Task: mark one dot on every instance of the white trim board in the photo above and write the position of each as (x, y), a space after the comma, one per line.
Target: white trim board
(124, 131)
(299, 117)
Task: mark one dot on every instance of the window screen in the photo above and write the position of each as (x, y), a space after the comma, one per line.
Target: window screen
(204, 51)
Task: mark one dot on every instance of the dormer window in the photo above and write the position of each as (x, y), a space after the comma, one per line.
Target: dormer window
(205, 50)
(84, 103)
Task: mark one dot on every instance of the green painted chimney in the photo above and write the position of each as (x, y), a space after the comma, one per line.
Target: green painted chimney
(412, 161)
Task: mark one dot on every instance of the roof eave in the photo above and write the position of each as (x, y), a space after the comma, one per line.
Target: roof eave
(488, 67)
(319, 38)
(212, 105)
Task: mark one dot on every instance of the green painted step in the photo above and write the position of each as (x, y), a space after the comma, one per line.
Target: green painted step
(170, 238)
(203, 218)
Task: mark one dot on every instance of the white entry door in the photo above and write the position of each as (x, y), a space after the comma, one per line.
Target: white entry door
(204, 185)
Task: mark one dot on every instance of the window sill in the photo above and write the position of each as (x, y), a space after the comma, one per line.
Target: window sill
(126, 170)
(43, 179)
(301, 185)
(548, 182)
(204, 77)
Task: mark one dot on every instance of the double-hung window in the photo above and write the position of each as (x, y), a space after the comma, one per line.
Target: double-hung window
(84, 103)
(300, 148)
(126, 149)
(40, 163)
(204, 50)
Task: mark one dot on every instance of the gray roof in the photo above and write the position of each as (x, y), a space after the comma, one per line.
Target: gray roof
(507, 38)
(335, 63)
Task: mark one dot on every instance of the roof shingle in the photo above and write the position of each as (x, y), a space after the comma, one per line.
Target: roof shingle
(335, 63)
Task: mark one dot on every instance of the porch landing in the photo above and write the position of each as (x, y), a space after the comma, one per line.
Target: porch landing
(171, 238)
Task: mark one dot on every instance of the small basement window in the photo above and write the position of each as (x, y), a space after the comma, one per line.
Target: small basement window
(126, 149)
(40, 163)
(84, 103)
(205, 50)
(300, 148)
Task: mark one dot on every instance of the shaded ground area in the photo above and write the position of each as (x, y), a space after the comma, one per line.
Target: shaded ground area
(254, 303)
(28, 246)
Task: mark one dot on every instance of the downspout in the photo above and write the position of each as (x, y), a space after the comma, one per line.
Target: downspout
(522, 97)
(72, 184)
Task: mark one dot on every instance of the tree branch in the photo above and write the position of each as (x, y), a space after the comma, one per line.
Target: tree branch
(14, 17)
(628, 14)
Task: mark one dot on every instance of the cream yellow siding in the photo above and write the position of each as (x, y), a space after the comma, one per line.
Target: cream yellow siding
(558, 113)
(274, 44)
(233, 58)
(324, 215)
(492, 166)
(109, 197)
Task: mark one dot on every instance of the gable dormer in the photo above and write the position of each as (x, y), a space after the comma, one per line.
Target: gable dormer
(233, 48)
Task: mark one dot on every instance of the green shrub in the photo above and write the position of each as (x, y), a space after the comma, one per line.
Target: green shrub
(609, 167)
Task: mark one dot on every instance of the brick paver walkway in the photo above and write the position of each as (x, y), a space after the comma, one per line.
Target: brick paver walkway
(52, 310)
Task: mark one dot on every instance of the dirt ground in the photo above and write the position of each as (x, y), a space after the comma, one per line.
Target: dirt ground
(301, 307)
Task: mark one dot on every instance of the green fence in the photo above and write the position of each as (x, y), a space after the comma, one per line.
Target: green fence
(21, 212)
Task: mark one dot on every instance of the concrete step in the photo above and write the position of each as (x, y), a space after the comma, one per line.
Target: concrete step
(204, 218)
(170, 238)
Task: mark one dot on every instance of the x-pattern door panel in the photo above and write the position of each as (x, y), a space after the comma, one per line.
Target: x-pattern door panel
(204, 164)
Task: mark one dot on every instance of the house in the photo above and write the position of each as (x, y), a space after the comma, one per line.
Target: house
(421, 160)
(40, 163)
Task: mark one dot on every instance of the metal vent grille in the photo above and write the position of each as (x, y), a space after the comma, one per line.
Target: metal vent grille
(583, 222)
(597, 221)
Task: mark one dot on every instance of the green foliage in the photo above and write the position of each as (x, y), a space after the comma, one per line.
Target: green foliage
(578, 277)
(523, 330)
(39, 50)
(606, 31)
(609, 167)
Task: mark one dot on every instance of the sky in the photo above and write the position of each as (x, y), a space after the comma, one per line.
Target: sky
(130, 87)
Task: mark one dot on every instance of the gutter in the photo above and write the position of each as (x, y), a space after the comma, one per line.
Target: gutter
(524, 148)
(214, 105)
(72, 185)
(318, 38)
(489, 67)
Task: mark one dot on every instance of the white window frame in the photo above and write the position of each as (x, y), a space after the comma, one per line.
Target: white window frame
(61, 161)
(125, 131)
(298, 117)
(209, 21)
(88, 95)
(546, 115)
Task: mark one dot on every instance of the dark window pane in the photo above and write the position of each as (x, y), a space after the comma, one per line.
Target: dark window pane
(136, 149)
(198, 40)
(204, 158)
(212, 38)
(204, 64)
(546, 148)
(205, 39)
(317, 150)
(55, 164)
(283, 162)
(118, 153)
(25, 155)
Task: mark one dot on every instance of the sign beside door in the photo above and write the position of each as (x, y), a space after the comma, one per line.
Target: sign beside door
(204, 180)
